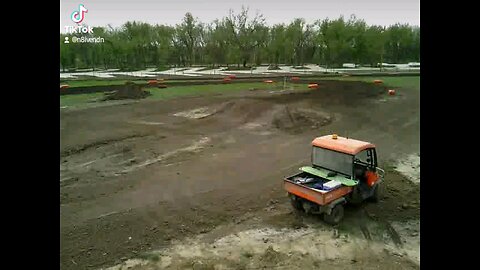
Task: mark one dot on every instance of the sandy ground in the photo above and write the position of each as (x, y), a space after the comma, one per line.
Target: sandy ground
(197, 182)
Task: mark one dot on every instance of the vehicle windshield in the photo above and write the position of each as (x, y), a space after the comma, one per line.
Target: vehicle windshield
(332, 160)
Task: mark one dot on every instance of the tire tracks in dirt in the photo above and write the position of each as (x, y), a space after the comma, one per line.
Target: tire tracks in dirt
(82, 148)
(195, 147)
(394, 235)
(365, 231)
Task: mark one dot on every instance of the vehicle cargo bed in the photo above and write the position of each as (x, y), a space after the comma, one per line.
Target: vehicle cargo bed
(308, 192)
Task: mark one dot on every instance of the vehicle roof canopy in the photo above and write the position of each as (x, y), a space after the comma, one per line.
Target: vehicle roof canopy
(341, 144)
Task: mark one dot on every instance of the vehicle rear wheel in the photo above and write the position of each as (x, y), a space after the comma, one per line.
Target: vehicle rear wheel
(296, 202)
(335, 216)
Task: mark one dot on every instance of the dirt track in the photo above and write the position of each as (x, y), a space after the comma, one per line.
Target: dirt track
(143, 176)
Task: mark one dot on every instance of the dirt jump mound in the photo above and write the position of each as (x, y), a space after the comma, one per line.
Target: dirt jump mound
(296, 120)
(129, 91)
(292, 118)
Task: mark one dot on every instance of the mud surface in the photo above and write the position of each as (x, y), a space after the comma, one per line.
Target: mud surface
(157, 177)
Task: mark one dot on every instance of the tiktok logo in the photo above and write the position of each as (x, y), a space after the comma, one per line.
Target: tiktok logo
(78, 15)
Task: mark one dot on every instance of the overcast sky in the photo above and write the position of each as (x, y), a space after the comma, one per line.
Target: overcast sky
(171, 12)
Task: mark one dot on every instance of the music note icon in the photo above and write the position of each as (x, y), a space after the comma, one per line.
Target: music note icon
(78, 15)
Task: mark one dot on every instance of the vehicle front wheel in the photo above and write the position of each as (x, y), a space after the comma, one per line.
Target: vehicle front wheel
(335, 216)
(376, 194)
(354, 197)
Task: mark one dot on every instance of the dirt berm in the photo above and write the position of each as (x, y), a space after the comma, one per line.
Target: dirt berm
(129, 91)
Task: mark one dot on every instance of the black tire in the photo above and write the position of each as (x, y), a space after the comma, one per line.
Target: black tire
(354, 197)
(296, 203)
(376, 194)
(335, 216)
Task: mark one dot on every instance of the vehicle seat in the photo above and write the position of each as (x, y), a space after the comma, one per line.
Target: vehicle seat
(360, 172)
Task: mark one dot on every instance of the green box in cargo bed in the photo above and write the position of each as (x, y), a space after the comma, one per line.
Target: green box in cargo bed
(324, 174)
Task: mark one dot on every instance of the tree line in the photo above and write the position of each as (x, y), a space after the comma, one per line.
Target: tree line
(240, 40)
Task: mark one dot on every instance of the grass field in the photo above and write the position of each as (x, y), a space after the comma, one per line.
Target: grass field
(177, 91)
(211, 89)
(195, 90)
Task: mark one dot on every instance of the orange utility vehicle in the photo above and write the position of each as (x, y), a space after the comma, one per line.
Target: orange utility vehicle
(343, 171)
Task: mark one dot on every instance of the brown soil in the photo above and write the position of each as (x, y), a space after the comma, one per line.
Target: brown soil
(139, 177)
